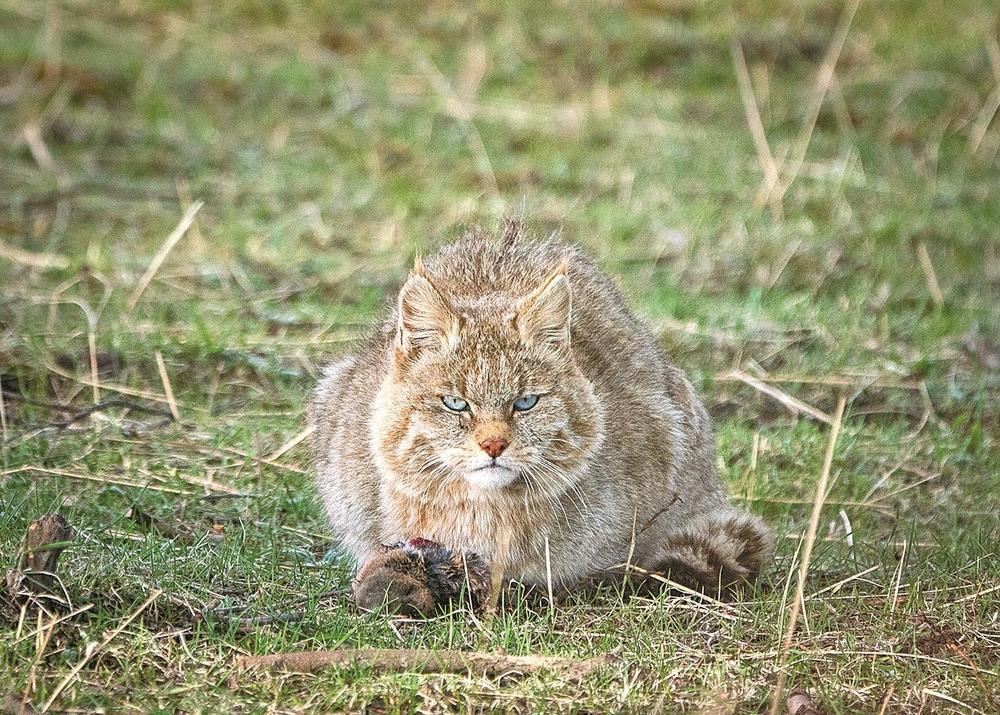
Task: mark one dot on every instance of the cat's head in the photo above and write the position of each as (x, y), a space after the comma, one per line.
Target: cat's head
(483, 390)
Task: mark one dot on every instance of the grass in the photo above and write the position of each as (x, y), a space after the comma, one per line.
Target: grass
(329, 142)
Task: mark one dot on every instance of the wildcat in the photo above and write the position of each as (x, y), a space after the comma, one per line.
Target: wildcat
(513, 406)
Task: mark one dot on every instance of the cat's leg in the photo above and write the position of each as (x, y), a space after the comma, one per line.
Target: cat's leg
(716, 551)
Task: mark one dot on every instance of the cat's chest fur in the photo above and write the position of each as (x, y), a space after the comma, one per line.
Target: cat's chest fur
(450, 515)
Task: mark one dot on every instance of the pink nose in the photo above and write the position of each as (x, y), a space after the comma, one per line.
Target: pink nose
(494, 447)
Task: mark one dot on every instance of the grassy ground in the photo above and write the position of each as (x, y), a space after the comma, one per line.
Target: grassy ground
(331, 141)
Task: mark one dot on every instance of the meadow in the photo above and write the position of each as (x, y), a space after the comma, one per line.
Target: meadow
(202, 203)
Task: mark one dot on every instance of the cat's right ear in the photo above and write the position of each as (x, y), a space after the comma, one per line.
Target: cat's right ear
(425, 318)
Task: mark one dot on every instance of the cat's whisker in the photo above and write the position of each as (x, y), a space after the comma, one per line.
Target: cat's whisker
(566, 486)
(572, 487)
(547, 497)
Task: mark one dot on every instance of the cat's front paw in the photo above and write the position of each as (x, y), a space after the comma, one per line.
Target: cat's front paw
(419, 577)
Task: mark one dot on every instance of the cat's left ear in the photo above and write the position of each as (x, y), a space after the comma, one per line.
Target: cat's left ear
(543, 316)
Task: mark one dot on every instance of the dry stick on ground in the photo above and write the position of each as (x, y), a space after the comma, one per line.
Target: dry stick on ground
(793, 618)
(165, 249)
(393, 660)
(91, 652)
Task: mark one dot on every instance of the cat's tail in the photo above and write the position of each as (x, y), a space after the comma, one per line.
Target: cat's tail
(717, 551)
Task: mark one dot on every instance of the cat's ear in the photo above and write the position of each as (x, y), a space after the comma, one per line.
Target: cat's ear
(426, 319)
(543, 316)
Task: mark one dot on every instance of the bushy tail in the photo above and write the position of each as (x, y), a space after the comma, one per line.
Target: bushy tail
(718, 551)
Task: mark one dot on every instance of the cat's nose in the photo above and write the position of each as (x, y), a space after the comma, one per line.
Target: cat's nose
(494, 447)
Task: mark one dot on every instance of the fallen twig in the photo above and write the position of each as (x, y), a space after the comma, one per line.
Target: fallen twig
(87, 411)
(394, 660)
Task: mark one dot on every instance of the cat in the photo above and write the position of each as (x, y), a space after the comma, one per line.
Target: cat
(512, 405)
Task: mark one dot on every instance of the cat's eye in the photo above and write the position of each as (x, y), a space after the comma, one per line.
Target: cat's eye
(455, 404)
(525, 403)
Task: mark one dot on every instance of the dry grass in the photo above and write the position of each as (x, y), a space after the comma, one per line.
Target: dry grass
(800, 198)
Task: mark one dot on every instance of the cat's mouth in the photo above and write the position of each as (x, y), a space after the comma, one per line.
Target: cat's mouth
(492, 476)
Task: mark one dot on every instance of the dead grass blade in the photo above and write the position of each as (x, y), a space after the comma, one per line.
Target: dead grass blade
(792, 403)
(793, 618)
(457, 108)
(92, 478)
(168, 389)
(933, 287)
(764, 155)
(32, 259)
(91, 652)
(3, 418)
(168, 245)
(824, 79)
(292, 443)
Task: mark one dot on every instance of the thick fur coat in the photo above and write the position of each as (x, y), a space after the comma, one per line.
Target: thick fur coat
(578, 447)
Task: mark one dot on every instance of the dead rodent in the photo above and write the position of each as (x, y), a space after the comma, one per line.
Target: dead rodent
(418, 577)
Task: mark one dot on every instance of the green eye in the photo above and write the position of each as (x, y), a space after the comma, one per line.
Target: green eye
(455, 404)
(525, 403)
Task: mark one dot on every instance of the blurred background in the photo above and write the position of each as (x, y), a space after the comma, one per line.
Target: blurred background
(201, 203)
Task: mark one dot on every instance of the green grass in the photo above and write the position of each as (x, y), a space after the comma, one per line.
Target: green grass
(330, 142)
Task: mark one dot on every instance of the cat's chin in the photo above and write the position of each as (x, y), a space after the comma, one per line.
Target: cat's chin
(491, 478)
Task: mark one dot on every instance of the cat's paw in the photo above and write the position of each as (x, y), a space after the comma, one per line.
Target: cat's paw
(418, 577)
(718, 551)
